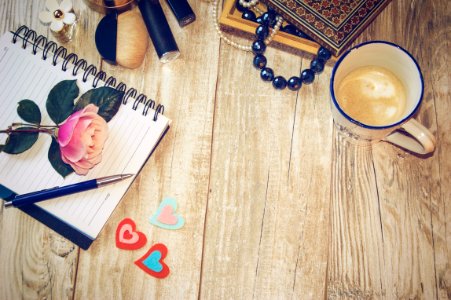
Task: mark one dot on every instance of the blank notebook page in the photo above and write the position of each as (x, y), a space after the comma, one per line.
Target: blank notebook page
(132, 137)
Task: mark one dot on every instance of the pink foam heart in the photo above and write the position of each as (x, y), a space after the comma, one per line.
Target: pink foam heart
(127, 235)
(167, 216)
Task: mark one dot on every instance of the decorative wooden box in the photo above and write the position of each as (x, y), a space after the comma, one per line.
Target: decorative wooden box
(231, 17)
(334, 24)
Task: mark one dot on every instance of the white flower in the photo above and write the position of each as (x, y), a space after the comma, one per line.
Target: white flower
(57, 14)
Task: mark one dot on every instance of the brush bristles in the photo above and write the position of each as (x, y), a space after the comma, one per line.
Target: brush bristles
(132, 40)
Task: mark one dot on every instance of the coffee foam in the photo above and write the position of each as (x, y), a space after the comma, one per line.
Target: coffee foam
(372, 95)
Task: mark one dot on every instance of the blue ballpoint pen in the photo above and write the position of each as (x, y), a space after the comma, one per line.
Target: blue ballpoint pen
(30, 198)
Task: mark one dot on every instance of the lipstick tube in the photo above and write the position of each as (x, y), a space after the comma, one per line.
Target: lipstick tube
(182, 11)
(159, 31)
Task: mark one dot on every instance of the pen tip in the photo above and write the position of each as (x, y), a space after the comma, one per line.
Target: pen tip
(124, 176)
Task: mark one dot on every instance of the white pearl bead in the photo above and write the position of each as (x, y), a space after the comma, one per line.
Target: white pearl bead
(246, 4)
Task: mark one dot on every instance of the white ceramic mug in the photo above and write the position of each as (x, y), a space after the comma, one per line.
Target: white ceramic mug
(403, 65)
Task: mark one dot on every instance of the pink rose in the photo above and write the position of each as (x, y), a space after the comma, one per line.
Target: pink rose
(81, 138)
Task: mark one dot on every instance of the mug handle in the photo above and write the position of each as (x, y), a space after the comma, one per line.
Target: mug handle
(421, 140)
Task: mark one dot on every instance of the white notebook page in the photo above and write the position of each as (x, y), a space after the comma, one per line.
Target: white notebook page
(132, 137)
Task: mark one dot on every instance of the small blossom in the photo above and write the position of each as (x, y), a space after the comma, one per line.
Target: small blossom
(57, 14)
(81, 138)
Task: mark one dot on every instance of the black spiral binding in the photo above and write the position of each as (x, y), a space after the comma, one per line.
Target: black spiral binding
(59, 52)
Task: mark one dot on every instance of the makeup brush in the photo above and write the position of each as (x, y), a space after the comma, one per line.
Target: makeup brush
(132, 40)
(122, 39)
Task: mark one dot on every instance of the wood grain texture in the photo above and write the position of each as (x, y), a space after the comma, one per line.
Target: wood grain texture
(278, 205)
(42, 263)
(409, 231)
(183, 174)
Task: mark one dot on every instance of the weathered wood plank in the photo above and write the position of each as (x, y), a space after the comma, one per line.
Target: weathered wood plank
(410, 201)
(408, 184)
(356, 265)
(261, 210)
(178, 168)
(35, 262)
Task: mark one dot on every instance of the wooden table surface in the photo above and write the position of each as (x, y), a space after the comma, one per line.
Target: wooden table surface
(277, 205)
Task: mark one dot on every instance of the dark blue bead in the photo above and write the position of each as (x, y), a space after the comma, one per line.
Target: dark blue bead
(294, 83)
(279, 83)
(259, 20)
(324, 54)
(307, 76)
(290, 29)
(248, 15)
(317, 65)
(272, 11)
(269, 18)
(258, 47)
(259, 61)
(262, 32)
(240, 7)
(267, 74)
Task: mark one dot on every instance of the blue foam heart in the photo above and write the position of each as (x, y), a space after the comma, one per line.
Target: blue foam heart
(153, 261)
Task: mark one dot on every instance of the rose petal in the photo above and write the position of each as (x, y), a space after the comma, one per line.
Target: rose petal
(84, 148)
(89, 163)
(95, 159)
(79, 171)
(73, 152)
(51, 5)
(69, 18)
(73, 129)
(85, 164)
(66, 129)
(66, 6)
(56, 25)
(91, 108)
(45, 17)
(76, 149)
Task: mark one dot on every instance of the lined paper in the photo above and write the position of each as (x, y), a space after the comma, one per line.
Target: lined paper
(132, 137)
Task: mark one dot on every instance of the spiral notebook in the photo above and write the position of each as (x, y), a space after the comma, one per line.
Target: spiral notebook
(134, 132)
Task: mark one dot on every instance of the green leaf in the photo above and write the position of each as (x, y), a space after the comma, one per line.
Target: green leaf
(18, 142)
(60, 102)
(106, 98)
(29, 111)
(55, 159)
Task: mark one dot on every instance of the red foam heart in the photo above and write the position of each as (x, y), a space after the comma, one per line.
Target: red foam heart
(147, 266)
(127, 237)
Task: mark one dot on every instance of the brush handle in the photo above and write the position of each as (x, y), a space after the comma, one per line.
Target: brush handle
(159, 30)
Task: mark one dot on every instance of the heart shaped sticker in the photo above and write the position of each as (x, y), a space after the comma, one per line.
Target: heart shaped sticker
(152, 262)
(127, 237)
(165, 217)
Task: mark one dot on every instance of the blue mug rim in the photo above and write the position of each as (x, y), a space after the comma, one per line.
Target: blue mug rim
(334, 100)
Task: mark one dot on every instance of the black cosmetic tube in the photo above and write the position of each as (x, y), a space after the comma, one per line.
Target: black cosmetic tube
(159, 30)
(182, 11)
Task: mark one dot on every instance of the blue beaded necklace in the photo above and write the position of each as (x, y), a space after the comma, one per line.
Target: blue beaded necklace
(306, 76)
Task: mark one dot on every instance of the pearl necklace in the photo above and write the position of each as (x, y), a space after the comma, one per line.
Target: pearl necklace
(264, 35)
(247, 4)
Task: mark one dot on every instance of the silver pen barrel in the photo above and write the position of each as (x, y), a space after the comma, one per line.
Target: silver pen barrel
(111, 179)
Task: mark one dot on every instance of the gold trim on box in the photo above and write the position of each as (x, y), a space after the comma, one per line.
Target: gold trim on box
(231, 17)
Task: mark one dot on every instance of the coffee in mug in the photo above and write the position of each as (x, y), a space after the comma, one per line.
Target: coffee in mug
(376, 89)
(372, 95)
